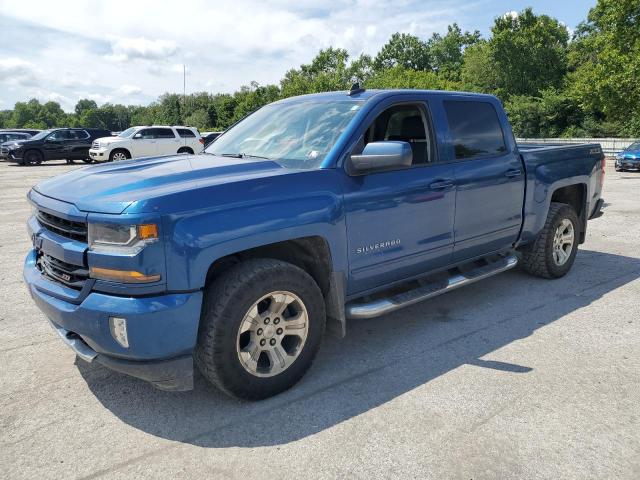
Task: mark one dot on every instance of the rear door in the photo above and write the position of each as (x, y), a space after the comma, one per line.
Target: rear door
(78, 144)
(489, 177)
(399, 222)
(167, 142)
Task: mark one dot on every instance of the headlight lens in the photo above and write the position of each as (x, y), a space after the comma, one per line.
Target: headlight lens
(123, 239)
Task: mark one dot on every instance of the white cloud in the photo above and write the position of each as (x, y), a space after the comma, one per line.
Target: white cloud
(121, 51)
(129, 90)
(124, 49)
(511, 14)
(16, 71)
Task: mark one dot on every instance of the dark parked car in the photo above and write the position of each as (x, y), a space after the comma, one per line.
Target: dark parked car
(55, 144)
(629, 158)
(10, 137)
(209, 137)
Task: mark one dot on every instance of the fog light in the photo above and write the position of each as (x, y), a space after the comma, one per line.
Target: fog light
(118, 327)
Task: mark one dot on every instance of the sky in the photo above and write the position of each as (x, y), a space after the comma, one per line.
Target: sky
(133, 51)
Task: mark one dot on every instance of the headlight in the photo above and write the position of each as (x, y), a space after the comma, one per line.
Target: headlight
(13, 146)
(123, 239)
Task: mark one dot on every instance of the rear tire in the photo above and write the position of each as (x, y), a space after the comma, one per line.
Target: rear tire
(555, 249)
(240, 321)
(32, 157)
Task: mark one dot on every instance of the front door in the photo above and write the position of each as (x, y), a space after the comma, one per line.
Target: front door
(144, 143)
(399, 223)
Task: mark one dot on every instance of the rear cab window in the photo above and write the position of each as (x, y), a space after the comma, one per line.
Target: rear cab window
(475, 129)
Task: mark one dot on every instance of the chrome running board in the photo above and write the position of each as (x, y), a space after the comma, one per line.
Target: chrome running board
(400, 300)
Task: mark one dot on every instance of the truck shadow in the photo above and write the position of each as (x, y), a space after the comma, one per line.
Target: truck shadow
(378, 361)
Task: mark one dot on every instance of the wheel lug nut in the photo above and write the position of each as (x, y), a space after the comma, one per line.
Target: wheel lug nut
(279, 331)
(276, 321)
(259, 332)
(263, 342)
(272, 342)
(267, 320)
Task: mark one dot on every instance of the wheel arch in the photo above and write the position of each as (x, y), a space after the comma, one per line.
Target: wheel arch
(313, 255)
(185, 149)
(120, 149)
(574, 195)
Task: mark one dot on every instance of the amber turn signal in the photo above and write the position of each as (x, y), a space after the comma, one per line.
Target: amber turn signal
(123, 276)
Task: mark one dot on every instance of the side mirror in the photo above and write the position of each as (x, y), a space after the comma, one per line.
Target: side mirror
(137, 135)
(376, 156)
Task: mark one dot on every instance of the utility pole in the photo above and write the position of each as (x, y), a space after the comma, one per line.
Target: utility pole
(184, 92)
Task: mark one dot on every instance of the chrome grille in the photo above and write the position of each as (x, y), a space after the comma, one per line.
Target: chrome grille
(95, 145)
(61, 226)
(68, 274)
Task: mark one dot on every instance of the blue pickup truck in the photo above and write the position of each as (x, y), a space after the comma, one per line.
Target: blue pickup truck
(309, 212)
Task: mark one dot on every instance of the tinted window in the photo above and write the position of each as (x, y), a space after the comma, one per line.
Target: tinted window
(147, 133)
(405, 123)
(61, 135)
(163, 133)
(185, 132)
(79, 134)
(475, 129)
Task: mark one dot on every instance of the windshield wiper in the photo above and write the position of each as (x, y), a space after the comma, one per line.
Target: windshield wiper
(241, 155)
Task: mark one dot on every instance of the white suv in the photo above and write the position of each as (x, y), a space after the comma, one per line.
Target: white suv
(147, 141)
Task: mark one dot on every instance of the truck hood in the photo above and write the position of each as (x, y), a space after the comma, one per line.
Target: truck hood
(112, 187)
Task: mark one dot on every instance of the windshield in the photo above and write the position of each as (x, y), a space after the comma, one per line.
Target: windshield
(128, 132)
(41, 135)
(296, 135)
(633, 146)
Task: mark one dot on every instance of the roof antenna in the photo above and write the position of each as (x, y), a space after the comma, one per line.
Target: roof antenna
(355, 89)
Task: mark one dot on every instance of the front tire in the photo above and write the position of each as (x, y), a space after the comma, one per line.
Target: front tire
(32, 157)
(555, 249)
(261, 326)
(119, 155)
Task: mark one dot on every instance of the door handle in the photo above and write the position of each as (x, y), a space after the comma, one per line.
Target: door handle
(513, 173)
(441, 184)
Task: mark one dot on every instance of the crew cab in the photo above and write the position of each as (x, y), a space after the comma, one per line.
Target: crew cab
(54, 144)
(147, 141)
(310, 212)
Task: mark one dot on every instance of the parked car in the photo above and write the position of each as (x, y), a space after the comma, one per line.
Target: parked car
(55, 144)
(311, 211)
(210, 137)
(7, 137)
(147, 141)
(629, 158)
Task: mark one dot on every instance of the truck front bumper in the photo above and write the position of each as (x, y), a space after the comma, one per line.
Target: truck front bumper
(162, 330)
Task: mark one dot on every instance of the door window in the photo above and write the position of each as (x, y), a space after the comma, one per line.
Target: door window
(475, 129)
(147, 133)
(185, 133)
(163, 133)
(59, 135)
(405, 123)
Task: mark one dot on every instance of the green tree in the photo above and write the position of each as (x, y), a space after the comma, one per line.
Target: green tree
(403, 50)
(527, 53)
(605, 64)
(85, 104)
(446, 51)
